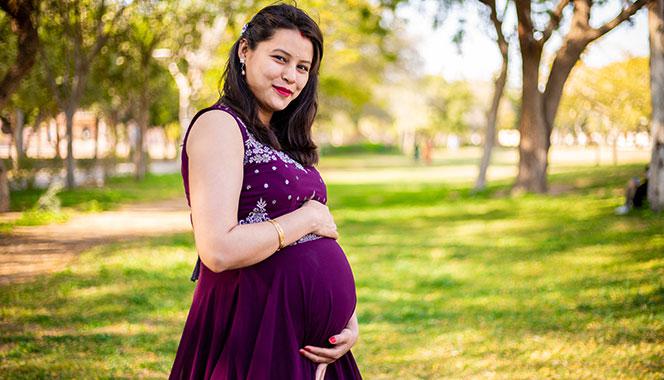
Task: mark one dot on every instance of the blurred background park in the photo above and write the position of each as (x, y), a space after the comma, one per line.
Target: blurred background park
(475, 153)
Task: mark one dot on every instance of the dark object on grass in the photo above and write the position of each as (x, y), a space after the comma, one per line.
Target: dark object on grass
(636, 194)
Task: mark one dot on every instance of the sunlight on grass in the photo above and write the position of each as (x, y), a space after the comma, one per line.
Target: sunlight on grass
(450, 285)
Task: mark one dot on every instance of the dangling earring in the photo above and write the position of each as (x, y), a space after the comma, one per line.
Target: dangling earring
(242, 67)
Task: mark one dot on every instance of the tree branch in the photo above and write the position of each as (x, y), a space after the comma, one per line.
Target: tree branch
(50, 78)
(556, 15)
(525, 28)
(100, 37)
(622, 16)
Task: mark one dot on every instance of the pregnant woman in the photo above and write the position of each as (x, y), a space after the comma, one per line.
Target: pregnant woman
(275, 297)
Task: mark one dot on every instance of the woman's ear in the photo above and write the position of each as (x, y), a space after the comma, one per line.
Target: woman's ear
(242, 49)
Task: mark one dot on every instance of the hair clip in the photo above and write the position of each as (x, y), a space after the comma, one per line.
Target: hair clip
(244, 28)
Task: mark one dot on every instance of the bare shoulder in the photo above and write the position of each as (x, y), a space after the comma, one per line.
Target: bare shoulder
(214, 131)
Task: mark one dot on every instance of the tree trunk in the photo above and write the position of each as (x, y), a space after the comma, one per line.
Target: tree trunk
(36, 131)
(532, 146)
(39, 135)
(533, 143)
(614, 146)
(185, 94)
(19, 123)
(538, 110)
(166, 144)
(4, 188)
(96, 153)
(356, 136)
(110, 158)
(58, 154)
(69, 115)
(499, 87)
(536, 129)
(140, 159)
(562, 66)
(656, 172)
(491, 119)
(112, 123)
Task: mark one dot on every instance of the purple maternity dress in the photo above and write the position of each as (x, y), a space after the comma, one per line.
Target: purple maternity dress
(249, 323)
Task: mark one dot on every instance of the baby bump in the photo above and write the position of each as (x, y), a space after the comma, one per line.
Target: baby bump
(320, 285)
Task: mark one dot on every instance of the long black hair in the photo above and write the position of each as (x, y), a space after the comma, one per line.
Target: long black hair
(290, 128)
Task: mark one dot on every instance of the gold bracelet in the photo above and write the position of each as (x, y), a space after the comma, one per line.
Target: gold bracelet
(280, 231)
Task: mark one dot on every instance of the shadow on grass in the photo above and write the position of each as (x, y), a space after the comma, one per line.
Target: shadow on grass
(440, 255)
(434, 265)
(119, 305)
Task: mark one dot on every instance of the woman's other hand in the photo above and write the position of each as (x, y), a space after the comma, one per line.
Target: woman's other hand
(342, 343)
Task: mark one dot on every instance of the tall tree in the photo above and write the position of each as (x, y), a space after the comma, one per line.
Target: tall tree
(656, 174)
(115, 84)
(23, 15)
(34, 98)
(189, 51)
(148, 27)
(360, 38)
(496, 18)
(608, 101)
(498, 89)
(448, 105)
(74, 33)
(23, 23)
(539, 108)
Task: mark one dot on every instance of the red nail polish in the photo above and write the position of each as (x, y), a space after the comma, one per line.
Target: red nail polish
(333, 340)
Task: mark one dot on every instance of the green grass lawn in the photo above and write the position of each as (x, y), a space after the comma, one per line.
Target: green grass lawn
(117, 191)
(450, 285)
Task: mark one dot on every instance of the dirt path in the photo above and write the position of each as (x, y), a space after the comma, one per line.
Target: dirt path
(31, 251)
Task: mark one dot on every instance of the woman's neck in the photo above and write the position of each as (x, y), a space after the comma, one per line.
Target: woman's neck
(264, 116)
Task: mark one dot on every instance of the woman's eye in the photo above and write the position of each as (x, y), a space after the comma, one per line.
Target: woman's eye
(280, 58)
(304, 68)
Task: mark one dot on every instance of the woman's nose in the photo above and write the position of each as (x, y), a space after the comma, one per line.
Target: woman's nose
(289, 74)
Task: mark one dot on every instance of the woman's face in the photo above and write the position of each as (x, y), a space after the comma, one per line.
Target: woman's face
(277, 70)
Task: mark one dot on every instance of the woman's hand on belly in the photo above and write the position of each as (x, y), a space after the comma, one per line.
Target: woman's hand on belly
(323, 221)
(342, 342)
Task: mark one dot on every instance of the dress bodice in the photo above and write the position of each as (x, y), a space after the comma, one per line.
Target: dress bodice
(273, 183)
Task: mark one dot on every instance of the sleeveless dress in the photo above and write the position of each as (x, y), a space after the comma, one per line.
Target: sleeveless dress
(249, 323)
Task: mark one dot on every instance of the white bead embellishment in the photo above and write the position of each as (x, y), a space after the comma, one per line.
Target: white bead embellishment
(259, 214)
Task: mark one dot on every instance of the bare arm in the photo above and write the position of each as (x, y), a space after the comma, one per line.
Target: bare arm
(216, 152)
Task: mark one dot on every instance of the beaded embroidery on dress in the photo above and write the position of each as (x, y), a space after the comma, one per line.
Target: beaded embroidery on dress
(257, 152)
(259, 214)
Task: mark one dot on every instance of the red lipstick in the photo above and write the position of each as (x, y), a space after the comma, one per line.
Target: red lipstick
(282, 91)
